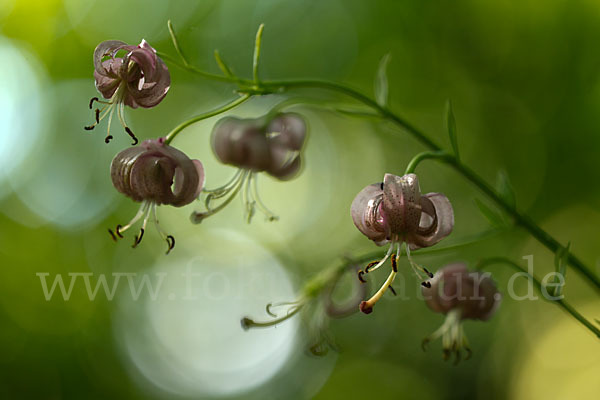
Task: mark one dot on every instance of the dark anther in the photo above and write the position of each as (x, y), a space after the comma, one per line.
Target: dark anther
(246, 323)
(92, 100)
(118, 229)
(135, 141)
(138, 239)
(370, 265)
(381, 182)
(171, 243)
(392, 290)
(426, 284)
(360, 276)
(89, 128)
(112, 234)
(107, 139)
(429, 274)
(365, 308)
(268, 309)
(97, 116)
(394, 263)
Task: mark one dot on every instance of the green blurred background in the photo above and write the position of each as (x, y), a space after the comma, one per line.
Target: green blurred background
(523, 79)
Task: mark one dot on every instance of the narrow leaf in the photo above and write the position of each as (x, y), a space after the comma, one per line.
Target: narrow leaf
(451, 126)
(494, 217)
(505, 188)
(381, 81)
(226, 70)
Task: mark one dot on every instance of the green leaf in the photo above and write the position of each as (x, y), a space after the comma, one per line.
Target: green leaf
(381, 81)
(222, 66)
(505, 189)
(494, 217)
(560, 263)
(451, 126)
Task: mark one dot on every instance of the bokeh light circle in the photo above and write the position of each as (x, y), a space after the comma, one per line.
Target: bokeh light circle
(188, 340)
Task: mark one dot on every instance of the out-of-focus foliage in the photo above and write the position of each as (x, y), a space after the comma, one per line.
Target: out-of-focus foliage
(523, 77)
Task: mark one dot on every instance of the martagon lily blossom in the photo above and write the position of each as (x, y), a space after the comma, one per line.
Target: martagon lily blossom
(270, 144)
(155, 173)
(395, 213)
(138, 79)
(459, 294)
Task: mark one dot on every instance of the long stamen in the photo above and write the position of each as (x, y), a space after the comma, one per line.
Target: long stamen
(223, 190)
(421, 272)
(247, 201)
(270, 306)
(197, 217)
(99, 115)
(120, 114)
(139, 237)
(248, 323)
(367, 306)
(168, 238)
(376, 264)
(261, 206)
(110, 115)
(120, 229)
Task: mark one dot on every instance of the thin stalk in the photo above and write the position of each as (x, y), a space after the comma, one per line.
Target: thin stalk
(171, 135)
(559, 302)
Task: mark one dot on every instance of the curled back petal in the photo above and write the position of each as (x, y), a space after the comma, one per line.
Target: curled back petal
(437, 221)
(284, 164)
(287, 130)
(367, 216)
(108, 47)
(157, 172)
(241, 143)
(153, 88)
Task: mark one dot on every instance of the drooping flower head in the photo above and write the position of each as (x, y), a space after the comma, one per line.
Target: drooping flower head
(395, 212)
(460, 294)
(137, 79)
(270, 144)
(155, 173)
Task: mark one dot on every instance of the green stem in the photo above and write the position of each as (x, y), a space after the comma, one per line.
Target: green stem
(171, 135)
(436, 155)
(559, 302)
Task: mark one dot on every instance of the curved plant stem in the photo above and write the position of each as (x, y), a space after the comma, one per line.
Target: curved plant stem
(426, 155)
(171, 135)
(250, 88)
(559, 302)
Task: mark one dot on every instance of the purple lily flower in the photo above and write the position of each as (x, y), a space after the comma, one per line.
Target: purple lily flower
(138, 79)
(155, 173)
(460, 295)
(394, 212)
(268, 144)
